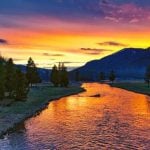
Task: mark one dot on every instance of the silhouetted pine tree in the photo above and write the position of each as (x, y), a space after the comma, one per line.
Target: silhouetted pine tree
(10, 76)
(32, 73)
(2, 80)
(12, 80)
(59, 76)
(37, 78)
(147, 75)
(21, 86)
(112, 76)
(64, 79)
(102, 76)
(54, 77)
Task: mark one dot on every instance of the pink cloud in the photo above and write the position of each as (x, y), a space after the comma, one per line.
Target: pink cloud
(130, 13)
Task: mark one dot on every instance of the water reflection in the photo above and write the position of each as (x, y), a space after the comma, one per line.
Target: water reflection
(117, 120)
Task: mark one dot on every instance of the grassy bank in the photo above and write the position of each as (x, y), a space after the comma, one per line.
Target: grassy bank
(135, 87)
(37, 100)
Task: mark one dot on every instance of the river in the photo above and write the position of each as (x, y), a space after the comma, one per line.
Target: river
(119, 119)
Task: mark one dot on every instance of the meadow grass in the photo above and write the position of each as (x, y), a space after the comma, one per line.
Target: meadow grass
(137, 87)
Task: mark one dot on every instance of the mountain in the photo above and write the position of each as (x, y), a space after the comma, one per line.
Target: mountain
(129, 63)
(44, 73)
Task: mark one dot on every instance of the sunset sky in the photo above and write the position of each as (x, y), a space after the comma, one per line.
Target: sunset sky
(73, 31)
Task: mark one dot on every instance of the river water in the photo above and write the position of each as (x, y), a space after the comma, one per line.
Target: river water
(119, 119)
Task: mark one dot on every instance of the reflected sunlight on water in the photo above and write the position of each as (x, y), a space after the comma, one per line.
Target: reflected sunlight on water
(117, 120)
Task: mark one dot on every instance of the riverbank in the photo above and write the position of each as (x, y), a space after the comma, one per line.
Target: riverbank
(137, 87)
(37, 100)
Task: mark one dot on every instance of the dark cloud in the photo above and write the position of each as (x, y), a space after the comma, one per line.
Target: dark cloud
(112, 43)
(55, 55)
(70, 62)
(93, 53)
(94, 49)
(91, 49)
(3, 41)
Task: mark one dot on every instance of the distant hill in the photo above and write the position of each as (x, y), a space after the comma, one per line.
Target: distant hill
(44, 73)
(129, 63)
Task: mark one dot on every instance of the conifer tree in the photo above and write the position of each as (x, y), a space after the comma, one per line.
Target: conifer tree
(64, 79)
(21, 86)
(2, 80)
(59, 76)
(112, 76)
(32, 73)
(54, 77)
(60, 73)
(10, 76)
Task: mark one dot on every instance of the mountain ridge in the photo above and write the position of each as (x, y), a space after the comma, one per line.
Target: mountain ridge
(127, 63)
(44, 73)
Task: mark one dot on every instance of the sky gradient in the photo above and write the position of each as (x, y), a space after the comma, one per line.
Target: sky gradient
(73, 31)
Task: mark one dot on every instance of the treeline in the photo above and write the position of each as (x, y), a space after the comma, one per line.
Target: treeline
(111, 76)
(101, 77)
(15, 84)
(59, 76)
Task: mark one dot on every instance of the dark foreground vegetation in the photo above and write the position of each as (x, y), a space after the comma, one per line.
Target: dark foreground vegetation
(15, 84)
